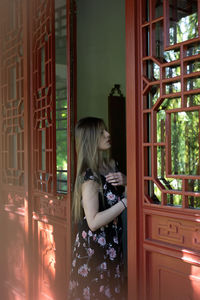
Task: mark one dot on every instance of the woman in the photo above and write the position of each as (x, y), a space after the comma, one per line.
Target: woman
(97, 255)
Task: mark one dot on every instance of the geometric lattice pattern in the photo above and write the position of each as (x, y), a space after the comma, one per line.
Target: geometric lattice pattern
(171, 103)
(61, 95)
(44, 96)
(12, 95)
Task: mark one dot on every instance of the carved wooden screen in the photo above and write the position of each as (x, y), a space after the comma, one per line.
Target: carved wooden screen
(51, 100)
(170, 113)
(36, 116)
(44, 96)
(12, 96)
(13, 192)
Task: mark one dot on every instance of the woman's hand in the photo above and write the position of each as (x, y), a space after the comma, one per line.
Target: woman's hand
(116, 178)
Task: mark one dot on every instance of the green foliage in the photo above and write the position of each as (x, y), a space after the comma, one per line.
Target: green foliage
(183, 126)
(185, 142)
(185, 29)
(61, 139)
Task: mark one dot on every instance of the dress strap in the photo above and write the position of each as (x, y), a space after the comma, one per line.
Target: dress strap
(89, 175)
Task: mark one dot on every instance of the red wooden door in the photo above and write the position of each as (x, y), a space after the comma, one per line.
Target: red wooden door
(165, 242)
(14, 183)
(52, 144)
(36, 148)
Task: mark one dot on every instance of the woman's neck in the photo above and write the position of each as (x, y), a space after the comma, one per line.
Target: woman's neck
(103, 170)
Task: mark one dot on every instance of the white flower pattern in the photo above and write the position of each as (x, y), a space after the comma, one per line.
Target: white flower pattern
(111, 198)
(112, 253)
(102, 241)
(90, 252)
(83, 270)
(86, 293)
(94, 254)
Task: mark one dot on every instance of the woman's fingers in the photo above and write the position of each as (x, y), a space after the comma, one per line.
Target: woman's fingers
(116, 178)
(112, 177)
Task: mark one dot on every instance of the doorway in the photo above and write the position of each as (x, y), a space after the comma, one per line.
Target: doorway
(100, 66)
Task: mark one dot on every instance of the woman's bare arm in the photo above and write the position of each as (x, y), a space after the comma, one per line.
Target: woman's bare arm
(90, 200)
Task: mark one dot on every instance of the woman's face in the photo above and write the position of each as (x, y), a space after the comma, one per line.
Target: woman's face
(104, 142)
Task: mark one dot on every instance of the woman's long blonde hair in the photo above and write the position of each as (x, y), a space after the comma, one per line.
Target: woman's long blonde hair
(88, 132)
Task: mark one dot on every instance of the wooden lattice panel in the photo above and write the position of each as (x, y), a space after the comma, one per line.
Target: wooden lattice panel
(171, 103)
(44, 96)
(12, 94)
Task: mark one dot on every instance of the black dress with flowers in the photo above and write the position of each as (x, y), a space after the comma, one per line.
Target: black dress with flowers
(97, 266)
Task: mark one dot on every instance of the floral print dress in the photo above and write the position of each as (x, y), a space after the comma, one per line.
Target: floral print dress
(97, 266)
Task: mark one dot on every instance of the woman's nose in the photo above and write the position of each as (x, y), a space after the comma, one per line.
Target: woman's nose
(107, 134)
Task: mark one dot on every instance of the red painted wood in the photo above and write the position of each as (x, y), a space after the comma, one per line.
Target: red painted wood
(43, 39)
(27, 160)
(14, 280)
(132, 125)
(72, 109)
(36, 242)
(168, 271)
(169, 235)
(52, 211)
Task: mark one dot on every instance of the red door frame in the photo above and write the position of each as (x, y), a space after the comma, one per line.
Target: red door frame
(72, 110)
(133, 157)
(27, 150)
